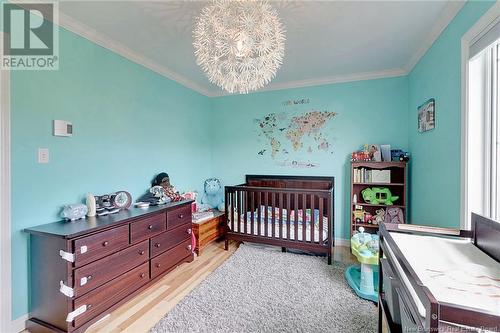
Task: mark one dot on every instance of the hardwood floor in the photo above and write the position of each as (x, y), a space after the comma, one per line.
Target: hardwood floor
(145, 310)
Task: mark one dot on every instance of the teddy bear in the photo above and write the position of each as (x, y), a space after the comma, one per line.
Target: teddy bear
(379, 216)
(394, 215)
(213, 196)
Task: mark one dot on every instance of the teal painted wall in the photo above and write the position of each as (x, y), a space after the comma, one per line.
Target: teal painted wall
(435, 165)
(165, 126)
(129, 124)
(368, 112)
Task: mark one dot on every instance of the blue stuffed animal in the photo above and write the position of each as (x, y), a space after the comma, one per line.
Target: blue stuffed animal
(213, 196)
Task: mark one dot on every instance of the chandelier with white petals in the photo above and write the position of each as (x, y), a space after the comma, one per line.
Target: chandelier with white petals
(239, 44)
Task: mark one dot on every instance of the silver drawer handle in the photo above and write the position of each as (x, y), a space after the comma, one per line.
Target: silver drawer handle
(181, 216)
(189, 231)
(189, 247)
(150, 227)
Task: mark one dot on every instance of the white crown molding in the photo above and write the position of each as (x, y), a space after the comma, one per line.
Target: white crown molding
(105, 41)
(327, 80)
(447, 15)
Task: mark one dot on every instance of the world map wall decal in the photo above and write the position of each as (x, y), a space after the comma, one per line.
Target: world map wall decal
(294, 139)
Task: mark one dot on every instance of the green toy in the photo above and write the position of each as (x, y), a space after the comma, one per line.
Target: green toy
(378, 196)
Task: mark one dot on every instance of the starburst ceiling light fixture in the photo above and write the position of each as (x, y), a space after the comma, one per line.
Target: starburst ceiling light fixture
(239, 44)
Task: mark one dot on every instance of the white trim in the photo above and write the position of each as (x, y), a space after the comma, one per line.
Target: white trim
(325, 80)
(342, 242)
(447, 15)
(19, 324)
(490, 16)
(103, 40)
(449, 12)
(5, 192)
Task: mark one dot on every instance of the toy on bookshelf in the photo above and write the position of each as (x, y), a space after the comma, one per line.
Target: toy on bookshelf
(378, 195)
(394, 215)
(379, 216)
(358, 215)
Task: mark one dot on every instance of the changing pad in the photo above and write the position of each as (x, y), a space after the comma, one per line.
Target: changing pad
(454, 270)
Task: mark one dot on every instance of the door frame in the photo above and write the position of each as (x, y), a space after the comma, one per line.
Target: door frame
(5, 203)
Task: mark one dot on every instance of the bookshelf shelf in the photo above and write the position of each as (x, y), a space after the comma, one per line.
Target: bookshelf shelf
(366, 225)
(372, 205)
(365, 174)
(379, 184)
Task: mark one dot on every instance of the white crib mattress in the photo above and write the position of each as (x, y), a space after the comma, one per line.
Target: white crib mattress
(316, 231)
(454, 270)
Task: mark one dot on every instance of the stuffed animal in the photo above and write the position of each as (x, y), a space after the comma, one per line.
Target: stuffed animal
(163, 180)
(213, 196)
(379, 195)
(74, 212)
(379, 216)
(394, 215)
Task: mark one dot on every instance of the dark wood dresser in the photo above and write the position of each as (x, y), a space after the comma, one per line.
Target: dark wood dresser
(82, 270)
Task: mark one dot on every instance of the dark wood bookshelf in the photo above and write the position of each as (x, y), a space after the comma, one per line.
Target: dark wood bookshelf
(397, 185)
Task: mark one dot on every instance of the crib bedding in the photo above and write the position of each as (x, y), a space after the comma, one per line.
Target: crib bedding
(285, 221)
(462, 275)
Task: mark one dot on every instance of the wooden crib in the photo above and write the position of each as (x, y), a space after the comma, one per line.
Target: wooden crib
(289, 211)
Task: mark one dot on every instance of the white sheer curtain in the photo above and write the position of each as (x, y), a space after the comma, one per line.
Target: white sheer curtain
(484, 127)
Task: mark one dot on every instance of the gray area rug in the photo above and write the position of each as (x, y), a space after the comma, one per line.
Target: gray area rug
(263, 290)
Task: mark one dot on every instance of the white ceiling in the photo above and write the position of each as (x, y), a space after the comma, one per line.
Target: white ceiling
(327, 41)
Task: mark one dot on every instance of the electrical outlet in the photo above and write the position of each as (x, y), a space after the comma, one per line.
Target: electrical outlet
(43, 155)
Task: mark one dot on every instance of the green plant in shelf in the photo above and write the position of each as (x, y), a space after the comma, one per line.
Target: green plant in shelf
(378, 196)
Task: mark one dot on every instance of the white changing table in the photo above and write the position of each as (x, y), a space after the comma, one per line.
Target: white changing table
(440, 280)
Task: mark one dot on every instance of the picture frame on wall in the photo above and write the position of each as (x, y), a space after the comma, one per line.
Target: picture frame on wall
(427, 116)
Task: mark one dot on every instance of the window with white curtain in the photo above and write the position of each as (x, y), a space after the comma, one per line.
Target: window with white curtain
(484, 125)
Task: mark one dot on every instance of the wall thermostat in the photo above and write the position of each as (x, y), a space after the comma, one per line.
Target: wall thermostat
(63, 128)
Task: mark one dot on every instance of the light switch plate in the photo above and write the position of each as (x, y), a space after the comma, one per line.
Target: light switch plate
(43, 155)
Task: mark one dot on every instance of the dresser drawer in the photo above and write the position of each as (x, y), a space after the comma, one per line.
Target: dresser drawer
(169, 259)
(91, 248)
(148, 227)
(169, 239)
(178, 216)
(102, 298)
(95, 274)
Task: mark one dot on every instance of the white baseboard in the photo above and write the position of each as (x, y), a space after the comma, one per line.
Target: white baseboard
(342, 242)
(19, 324)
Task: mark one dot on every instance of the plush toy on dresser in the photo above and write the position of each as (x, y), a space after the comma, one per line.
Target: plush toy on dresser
(213, 195)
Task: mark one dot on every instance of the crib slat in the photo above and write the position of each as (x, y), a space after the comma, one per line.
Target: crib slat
(238, 207)
(245, 210)
(330, 230)
(320, 217)
(266, 214)
(233, 203)
(273, 215)
(280, 195)
(252, 210)
(296, 206)
(304, 207)
(259, 194)
(312, 219)
(288, 214)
